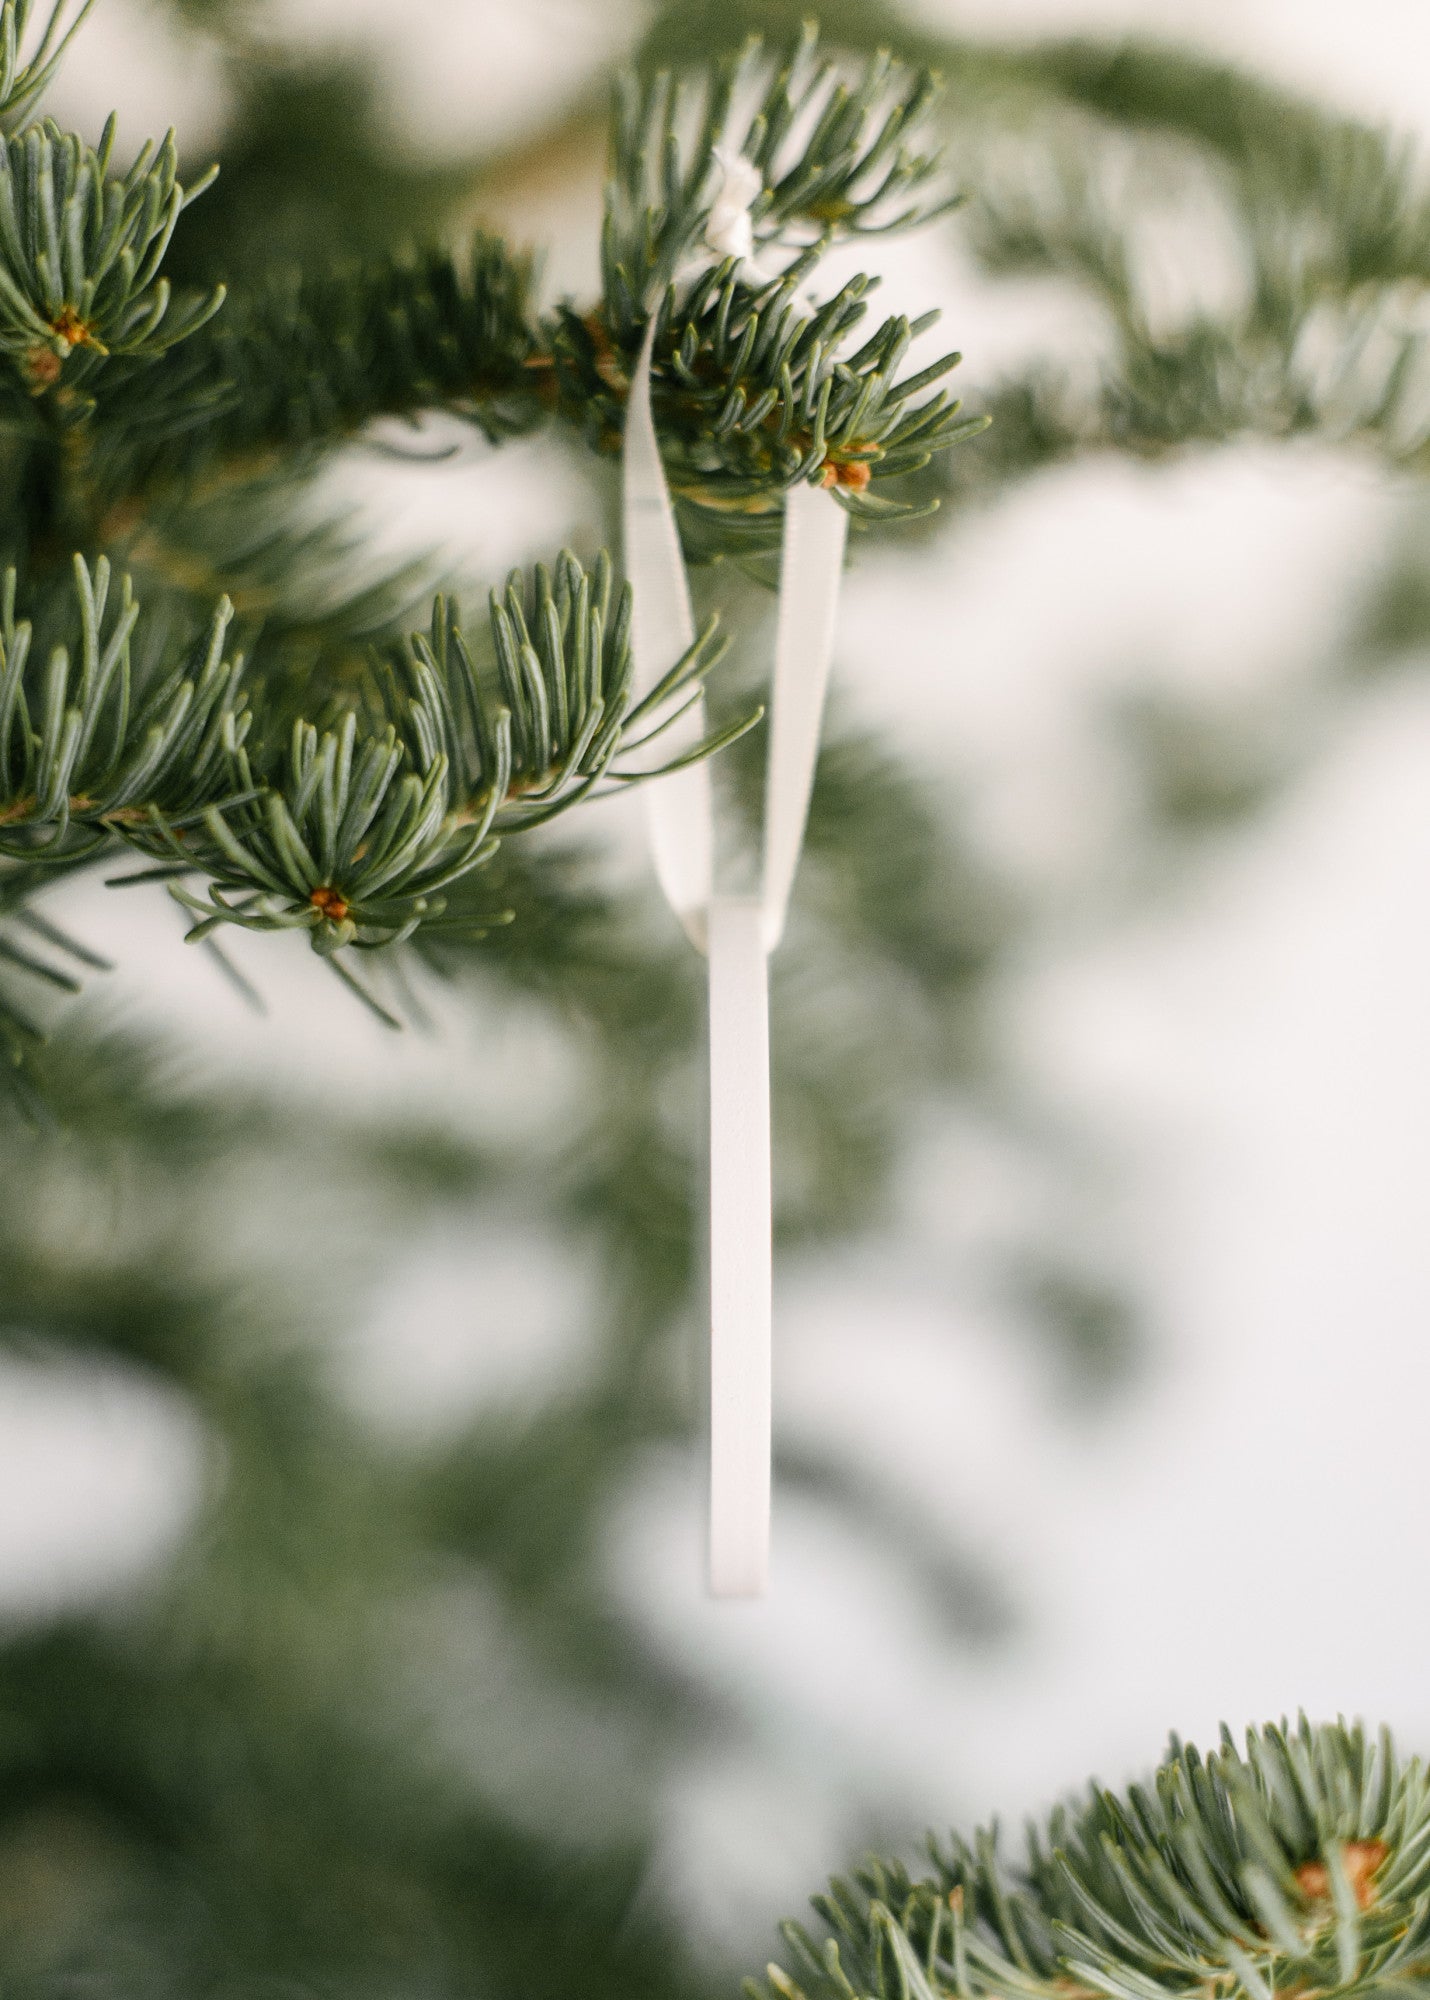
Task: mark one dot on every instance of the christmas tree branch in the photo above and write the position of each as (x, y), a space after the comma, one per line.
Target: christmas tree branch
(1298, 1864)
(25, 71)
(726, 189)
(306, 361)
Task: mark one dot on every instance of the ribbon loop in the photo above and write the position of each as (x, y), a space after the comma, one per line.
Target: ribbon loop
(737, 934)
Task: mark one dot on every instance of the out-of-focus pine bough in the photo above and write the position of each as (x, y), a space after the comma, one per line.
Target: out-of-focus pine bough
(132, 406)
(1297, 1864)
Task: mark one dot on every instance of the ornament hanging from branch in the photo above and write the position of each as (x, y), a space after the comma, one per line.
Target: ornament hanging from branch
(708, 268)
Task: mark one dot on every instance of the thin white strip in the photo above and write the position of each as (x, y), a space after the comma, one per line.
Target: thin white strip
(811, 563)
(737, 934)
(678, 809)
(740, 1251)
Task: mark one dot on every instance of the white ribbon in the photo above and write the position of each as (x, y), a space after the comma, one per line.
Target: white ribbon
(679, 811)
(737, 934)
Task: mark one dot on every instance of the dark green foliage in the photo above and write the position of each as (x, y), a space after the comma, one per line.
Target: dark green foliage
(1298, 1864)
(80, 251)
(753, 393)
(353, 829)
(239, 1779)
(356, 836)
(37, 961)
(709, 29)
(248, 1771)
(311, 175)
(563, 670)
(833, 160)
(752, 387)
(87, 752)
(301, 361)
(27, 64)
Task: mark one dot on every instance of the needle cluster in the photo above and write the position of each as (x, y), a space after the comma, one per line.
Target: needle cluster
(154, 425)
(755, 384)
(1295, 1864)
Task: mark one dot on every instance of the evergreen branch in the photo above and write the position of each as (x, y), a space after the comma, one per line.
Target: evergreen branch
(357, 834)
(752, 387)
(80, 252)
(1299, 356)
(86, 746)
(1072, 148)
(566, 705)
(1300, 1864)
(307, 359)
(23, 75)
(753, 392)
(357, 837)
(833, 159)
(1283, 151)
